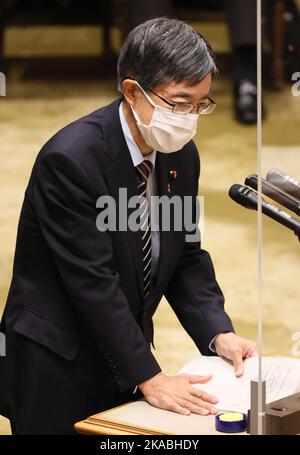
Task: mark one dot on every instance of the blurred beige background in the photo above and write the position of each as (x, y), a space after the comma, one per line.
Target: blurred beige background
(33, 111)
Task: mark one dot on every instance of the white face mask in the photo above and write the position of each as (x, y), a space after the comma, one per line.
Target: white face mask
(167, 131)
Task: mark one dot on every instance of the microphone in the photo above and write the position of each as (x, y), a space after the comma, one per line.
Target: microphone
(249, 199)
(275, 193)
(285, 182)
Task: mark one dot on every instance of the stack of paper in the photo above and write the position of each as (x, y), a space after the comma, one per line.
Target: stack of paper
(282, 376)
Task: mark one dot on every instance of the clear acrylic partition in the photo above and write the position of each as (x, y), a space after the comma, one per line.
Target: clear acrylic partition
(280, 165)
(278, 169)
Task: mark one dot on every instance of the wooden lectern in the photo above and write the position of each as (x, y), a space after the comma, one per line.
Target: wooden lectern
(140, 418)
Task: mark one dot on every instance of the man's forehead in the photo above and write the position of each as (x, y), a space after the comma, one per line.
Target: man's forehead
(185, 90)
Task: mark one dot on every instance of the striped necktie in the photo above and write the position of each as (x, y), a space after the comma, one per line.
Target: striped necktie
(144, 170)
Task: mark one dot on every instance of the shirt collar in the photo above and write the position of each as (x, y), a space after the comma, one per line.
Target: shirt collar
(136, 155)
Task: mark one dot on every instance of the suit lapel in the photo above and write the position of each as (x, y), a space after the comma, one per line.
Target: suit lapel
(170, 241)
(121, 174)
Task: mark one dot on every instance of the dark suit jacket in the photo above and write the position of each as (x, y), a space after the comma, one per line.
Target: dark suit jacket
(77, 330)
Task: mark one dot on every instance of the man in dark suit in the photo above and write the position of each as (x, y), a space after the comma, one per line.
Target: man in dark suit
(78, 319)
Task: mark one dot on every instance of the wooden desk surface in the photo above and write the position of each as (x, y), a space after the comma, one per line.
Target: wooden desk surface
(93, 425)
(140, 418)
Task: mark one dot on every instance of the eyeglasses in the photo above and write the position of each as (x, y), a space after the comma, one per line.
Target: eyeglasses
(186, 108)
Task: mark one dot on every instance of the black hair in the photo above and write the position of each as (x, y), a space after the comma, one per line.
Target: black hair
(164, 49)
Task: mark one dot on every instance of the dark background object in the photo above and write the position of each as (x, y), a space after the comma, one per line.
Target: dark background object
(59, 12)
(126, 14)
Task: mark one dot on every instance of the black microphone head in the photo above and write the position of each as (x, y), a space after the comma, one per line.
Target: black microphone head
(236, 193)
(243, 196)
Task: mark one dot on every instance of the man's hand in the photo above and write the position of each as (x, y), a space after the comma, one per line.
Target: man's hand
(235, 348)
(176, 393)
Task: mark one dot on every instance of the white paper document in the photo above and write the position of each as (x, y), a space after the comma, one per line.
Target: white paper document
(282, 376)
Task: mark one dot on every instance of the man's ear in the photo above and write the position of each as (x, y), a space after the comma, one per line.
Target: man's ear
(130, 91)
